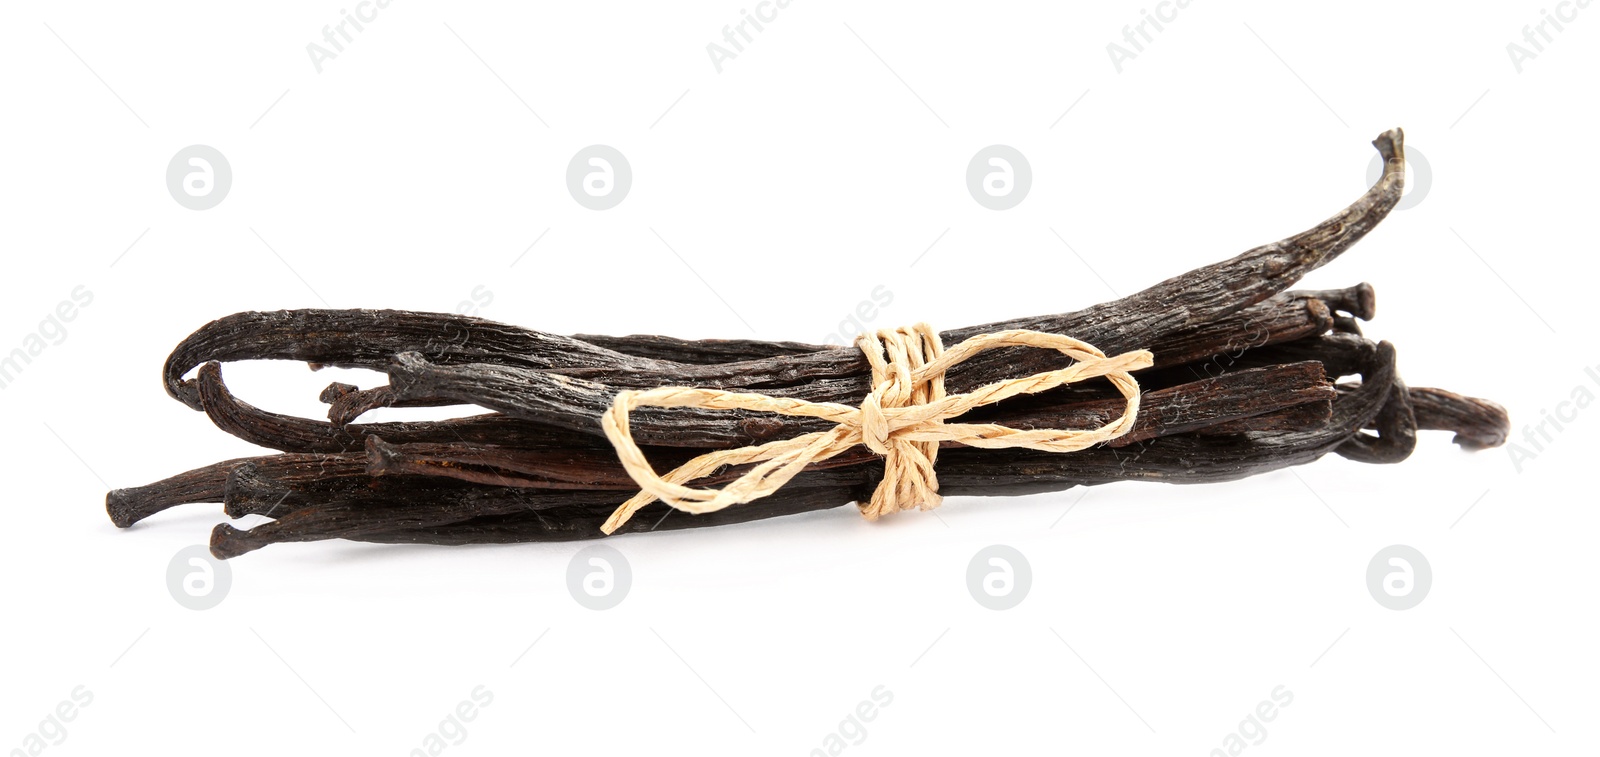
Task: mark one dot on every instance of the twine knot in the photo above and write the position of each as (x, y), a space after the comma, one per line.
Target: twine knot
(901, 419)
(874, 426)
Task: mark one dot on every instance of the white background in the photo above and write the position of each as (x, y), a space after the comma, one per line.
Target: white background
(825, 160)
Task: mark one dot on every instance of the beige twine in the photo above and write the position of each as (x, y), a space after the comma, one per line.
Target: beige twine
(902, 419)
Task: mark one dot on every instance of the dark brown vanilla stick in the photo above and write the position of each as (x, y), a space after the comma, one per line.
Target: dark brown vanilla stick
(434, 525)
(347, 402)
(1208, 293)
(555, 525)
(259, 484)
(1280, 318)
(338, 520)
(1240, 386)
(264, 487)
(1324, 356)
(366, 339)
(562, 516)
(1191, 300)
(1357, 301)
(131, 505)
(290, 433)
(566, 515)
(532, 469)
(577, 405)
(388, 497)
(294, 434)
(1290, 317)
(1174, 410)
(1477, 423)
(213, 482)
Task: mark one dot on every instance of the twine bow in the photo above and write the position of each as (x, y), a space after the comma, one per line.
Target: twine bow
(902, 419)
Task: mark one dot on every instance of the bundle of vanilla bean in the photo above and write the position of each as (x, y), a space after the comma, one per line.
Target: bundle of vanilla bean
(1247, 378)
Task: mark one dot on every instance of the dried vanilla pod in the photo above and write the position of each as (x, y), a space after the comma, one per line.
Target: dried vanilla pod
(1248, 377)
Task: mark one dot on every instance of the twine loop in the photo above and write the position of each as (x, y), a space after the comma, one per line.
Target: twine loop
(902, 419)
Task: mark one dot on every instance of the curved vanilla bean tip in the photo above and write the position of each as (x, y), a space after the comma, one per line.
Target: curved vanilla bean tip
(271, 430)
(294, 434)
(336, 390)
(367, 338)
(1478, 423)
(1315, 247)
(1391, 145)
(228, 542)
(131, 505)
(1364, 304)
(346, 406)
(1188, 301)
(123, 509)
(1215, 291)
